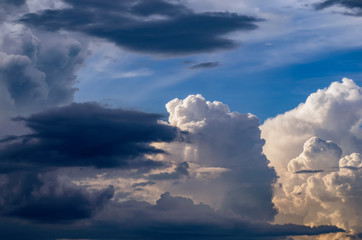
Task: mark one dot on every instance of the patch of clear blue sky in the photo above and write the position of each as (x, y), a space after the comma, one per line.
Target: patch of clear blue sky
(264, 93)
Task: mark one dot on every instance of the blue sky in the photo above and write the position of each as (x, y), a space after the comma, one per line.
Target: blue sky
(264, 92)
(272, 70)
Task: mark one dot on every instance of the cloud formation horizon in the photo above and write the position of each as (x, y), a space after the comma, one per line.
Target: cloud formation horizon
(78, 160)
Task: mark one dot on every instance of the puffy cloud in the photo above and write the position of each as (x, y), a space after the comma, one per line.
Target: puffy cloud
(352, 161)
(183, 31)
(333, 113)
(227, 144)
(87, 135)
(317, 154)
(326, 197)
(23, 81)
(320, 180)
(37, 70)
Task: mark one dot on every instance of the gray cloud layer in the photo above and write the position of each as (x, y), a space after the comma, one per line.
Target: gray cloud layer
(44, 197)
(170, 218)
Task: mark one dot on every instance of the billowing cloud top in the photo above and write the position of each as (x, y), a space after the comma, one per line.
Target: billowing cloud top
(333, 113)
(316, 150)
(36, 71)
(230, 140)
(318, 154)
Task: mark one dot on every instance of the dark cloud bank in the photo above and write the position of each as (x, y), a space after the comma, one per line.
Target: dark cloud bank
(170, 218)
(44, 198)
(354, 5)
(86, 135)
(152, 26)
(78, 135)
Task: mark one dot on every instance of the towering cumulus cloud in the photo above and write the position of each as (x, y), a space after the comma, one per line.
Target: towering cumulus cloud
(220, 139)
(316, 150)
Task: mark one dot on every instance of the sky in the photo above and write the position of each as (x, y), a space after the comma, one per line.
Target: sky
(180, 119)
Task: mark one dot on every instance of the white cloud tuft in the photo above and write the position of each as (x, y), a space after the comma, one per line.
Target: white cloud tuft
(318, 154)
(194, 112)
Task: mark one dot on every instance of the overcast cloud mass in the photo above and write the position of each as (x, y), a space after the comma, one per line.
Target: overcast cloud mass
(111, 128)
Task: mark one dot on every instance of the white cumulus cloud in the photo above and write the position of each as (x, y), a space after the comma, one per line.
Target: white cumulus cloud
(316, 150)
(333, 113)
(228, 146)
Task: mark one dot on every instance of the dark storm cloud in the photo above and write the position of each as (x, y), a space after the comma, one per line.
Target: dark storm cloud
(205, 65)
(155, 26)
(46, 198)
(180, 171)
(354, 5)
(87, 134)
(170, 218)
